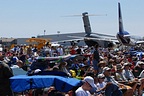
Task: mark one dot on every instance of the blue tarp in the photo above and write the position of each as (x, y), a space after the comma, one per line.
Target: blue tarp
(22, 83)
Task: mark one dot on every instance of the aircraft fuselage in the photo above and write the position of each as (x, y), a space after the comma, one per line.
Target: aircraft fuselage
(125, 40)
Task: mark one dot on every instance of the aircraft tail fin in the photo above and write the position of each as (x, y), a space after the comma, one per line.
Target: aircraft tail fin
(121, 29)
(86, 22)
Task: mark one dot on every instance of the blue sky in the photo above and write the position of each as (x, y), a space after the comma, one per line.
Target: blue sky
(27, 18)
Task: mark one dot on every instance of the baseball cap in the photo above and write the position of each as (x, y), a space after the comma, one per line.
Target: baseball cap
(119, 66)
(102, 62)
(106, 69)
(37, 71)
(140, 63)
(82, 65)
(101, 76)
(89, 80)
(126, 64)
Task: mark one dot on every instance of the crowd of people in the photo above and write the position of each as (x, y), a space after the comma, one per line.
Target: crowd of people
(103, 71)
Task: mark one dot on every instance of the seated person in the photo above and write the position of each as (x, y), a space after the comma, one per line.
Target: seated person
(88, 85)
(113, 87)
(101, 83)
(81, 72)
(17, 69)
(138, 68)
(129, 76)
(75, 65)
(63, 67)
(122, 79)
(101, 65)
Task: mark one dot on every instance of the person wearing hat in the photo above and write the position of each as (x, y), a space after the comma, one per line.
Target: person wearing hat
(101, 83)
(111, 88)
(60, 50)
(74, 67)
(88, 84)
(101, 65)
(5, 74)
(114, 88)
(127, 72)
(130, 76)
(122, 79)
(82, 71)
(63, 68)
(119, 76)
(138, 68)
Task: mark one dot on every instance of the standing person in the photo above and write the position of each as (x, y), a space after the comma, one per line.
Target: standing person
(79, 50)
(60, 50)
(95, 58)
(5, 74)
(72, 51)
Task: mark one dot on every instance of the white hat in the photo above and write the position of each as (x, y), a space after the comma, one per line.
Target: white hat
(106, 69)
(37, 71)
(119, 66)
(140, 63)
(89, 80)
(101, 76)
(126, 64)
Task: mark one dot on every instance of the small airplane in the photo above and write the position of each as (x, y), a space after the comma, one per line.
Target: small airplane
(123, 36)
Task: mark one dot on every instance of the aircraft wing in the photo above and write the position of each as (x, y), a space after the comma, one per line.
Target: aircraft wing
(102, 39)
(70, 40)
(78, 37)
(96, 38)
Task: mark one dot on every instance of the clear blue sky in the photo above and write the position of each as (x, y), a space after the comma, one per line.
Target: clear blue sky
(27, 18)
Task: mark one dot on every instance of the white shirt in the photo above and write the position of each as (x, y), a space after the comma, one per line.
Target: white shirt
(1, 49)
(81, 92)
(142, 74)
(101, 85)
(60, 51)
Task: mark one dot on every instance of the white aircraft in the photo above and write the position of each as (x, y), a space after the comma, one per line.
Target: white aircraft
(92, 38)
(123, 36)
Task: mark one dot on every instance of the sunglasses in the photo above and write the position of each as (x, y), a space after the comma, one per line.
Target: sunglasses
(102, 78)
